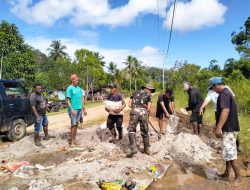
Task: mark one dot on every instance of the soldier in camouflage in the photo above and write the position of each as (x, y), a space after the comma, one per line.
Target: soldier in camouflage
(140, 102)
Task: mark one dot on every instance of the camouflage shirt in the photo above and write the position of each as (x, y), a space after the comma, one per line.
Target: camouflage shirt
(140, 99)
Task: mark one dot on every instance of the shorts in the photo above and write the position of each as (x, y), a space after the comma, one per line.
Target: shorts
(160, 113)
(229, 148)
(75, 118)
(195, 117)
(39, 124)
(115, 119)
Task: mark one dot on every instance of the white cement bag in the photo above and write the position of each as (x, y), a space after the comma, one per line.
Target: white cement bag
(111, 105)
(172, 124)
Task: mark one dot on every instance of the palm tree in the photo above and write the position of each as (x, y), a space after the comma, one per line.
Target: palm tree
(57, 50)
(100, 58)
(129, 62)
(136, 70)
(112, 68)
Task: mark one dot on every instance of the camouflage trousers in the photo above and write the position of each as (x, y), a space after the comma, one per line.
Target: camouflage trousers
(139, 115)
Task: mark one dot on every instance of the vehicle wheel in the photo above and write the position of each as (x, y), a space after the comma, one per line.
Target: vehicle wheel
(56, 109)
(17, 130)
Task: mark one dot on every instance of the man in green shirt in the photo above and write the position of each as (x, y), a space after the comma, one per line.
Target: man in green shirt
(75, 101)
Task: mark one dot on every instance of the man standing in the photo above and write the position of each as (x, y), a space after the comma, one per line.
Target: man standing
(75, 101)
(227, 127)
(115, 117)
(165, 107)
(140, 102)
(212, 95)
(194, 104)
(39, 107)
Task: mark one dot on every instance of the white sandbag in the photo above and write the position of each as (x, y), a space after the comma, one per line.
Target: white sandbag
(184, 111)
(172, 124)
(112, 106)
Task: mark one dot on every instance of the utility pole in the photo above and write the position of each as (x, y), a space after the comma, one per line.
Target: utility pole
(163, 68)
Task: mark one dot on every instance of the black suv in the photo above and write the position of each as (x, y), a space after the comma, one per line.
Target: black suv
(15, 109)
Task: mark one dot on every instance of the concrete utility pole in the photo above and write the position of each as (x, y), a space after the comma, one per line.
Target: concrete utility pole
(163, 68)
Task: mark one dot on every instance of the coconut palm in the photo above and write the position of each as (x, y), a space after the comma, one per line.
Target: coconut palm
(113, 71)
(136, 70)
(129, 62)
(99, 58)
(56, 50)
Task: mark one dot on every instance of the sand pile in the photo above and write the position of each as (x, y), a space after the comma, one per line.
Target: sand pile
(190, 149)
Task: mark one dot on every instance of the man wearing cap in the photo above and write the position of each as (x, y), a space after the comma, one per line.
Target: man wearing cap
(227, 126)
(115, 117)
(165, 107)
(212, 95)
(194, 104)
(140, 102)
(75, 100)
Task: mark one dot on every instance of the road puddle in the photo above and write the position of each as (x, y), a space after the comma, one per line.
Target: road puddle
(54, 158)
(176, 181)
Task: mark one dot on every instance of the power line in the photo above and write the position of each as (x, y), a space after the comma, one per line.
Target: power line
(158, 21)
(172, 23)
(162, 51)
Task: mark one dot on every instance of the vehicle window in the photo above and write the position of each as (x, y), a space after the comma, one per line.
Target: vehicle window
(14, 90)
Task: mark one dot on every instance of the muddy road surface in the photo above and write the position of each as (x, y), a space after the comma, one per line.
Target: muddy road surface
(190, 161)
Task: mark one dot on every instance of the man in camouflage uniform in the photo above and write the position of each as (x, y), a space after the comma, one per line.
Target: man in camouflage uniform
(140, 102)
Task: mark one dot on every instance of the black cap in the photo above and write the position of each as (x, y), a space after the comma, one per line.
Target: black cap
(112, 86)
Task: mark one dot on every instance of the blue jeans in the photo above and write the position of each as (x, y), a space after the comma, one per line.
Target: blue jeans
(75, 118)
(41, 123)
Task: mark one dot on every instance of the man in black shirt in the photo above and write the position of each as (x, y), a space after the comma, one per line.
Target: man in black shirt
(227, 126)
(115, 116)
(39, 107)
(194, 104)
(165, 107)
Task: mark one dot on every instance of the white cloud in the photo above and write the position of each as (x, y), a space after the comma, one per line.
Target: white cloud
(148, 55)
(195, 14)
(190, 15)
(87, 12)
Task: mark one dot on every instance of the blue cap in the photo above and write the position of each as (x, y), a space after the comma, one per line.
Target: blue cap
(213, 81)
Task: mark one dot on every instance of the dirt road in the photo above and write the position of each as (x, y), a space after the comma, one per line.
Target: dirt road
(59, 167)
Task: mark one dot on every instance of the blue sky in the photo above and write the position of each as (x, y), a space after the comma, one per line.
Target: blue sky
(118, 28)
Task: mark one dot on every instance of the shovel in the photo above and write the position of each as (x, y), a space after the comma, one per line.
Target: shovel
(159, 135)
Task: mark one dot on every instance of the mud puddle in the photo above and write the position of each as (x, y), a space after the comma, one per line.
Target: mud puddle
(196, 178)
(55, 158)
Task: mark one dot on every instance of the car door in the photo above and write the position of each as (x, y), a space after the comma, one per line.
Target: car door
(16, 101)
(1, 106)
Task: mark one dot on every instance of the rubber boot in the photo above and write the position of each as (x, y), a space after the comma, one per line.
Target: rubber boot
(133, 145)
(146, 146)
(46, 134)
(38, 140)
(120, 131)
(113, 138)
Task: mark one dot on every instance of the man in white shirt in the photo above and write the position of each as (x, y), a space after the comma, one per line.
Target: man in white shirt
(212, 95)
